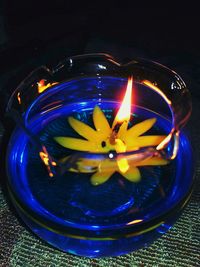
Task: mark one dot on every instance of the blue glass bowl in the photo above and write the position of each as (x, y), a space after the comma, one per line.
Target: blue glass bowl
(67, 211)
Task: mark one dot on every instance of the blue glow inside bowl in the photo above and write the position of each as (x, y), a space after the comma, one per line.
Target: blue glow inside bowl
(111, 219)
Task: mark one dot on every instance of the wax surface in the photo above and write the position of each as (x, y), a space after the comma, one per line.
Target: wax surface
(99, 141)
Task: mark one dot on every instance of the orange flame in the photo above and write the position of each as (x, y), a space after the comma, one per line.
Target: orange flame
(45, 158)
(155, 88)
(19, 98)
(124, 112)
(122, 117)
(42, 86)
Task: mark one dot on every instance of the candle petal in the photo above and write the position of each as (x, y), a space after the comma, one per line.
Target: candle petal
(139, 128)
(76, 144)
(119, 146)
(143, 141)
(156, 161)
(101, 177)
(101, 123)
(123, 165)
(83, 129)
(150, 140)
(133, 174)
(123, 130)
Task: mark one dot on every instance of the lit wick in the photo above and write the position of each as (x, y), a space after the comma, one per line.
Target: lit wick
(122, 118)
(114, 133)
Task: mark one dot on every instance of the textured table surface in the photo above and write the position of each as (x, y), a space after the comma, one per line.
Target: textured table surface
(179, 247)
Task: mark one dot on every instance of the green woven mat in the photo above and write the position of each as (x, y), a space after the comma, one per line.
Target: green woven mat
(179, 247)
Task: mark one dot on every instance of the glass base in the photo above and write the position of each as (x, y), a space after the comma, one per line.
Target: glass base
(100, 235)
(92, 248)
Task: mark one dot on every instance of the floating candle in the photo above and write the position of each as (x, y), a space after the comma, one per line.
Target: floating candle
(105, 139)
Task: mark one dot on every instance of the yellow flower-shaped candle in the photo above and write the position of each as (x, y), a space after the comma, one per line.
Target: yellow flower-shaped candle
(105, 138)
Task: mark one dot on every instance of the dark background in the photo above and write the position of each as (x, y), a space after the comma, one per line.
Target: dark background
(31, 30)
(33, 33)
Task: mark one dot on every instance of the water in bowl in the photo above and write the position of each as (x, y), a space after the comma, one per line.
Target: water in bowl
(72, 214)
